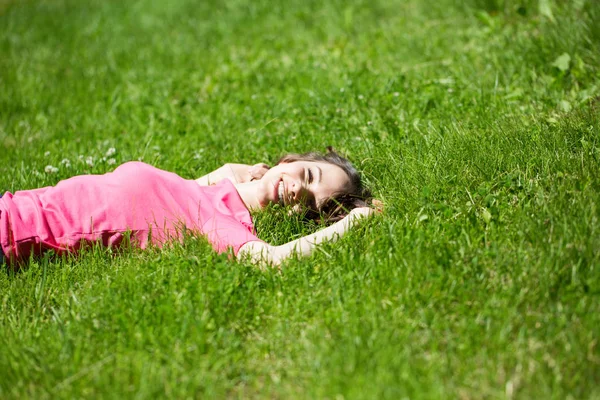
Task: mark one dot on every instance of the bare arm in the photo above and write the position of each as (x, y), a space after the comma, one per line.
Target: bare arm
(236, 173)
(265, 254)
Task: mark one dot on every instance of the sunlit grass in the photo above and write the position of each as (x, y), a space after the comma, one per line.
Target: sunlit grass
(475, 122)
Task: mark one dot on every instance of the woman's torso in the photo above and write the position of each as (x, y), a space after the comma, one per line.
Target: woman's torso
(136, 201)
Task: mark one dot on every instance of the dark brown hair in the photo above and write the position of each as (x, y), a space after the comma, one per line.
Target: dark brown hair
(337, 207)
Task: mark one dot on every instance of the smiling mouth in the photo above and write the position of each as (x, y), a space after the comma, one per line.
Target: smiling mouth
(280, 192)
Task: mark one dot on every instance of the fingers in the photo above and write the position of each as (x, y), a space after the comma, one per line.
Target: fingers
(378, 206)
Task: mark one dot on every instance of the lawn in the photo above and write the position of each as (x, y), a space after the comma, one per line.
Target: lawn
(476, 122)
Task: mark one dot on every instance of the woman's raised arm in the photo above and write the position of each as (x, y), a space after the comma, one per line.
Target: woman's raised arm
(262, 253)
(236, 173)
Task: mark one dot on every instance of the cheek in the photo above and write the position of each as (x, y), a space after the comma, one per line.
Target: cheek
(271, 176)
(277, 171)
(325, 195)
(330, 191)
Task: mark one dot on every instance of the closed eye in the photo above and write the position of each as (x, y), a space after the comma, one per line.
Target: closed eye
(310, 176)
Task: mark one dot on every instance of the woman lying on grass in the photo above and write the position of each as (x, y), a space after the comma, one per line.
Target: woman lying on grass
(151, 206)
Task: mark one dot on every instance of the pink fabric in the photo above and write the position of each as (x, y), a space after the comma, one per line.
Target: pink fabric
(151, 205)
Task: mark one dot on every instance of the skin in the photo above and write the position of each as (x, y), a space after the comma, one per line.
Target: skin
(236, 173)
(305, 183)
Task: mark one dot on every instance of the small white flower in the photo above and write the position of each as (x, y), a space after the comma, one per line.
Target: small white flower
(342, 90)
(80, 157)
(110, 161)
(111, 152)
(66, 162)
(50, 169)
(360, 97)
(89, 161)
(396, 94)
(46, 154)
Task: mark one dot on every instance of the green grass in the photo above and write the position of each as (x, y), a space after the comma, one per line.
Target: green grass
(476, 122)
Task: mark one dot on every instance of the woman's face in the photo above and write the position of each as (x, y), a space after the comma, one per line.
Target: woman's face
(310, 183)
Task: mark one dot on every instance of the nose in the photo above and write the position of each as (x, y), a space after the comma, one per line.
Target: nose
(297, 189)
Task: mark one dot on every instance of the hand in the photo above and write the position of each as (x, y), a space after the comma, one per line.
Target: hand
(360, 212)
(257, 171)
(378, 206)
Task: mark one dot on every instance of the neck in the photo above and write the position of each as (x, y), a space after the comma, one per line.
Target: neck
(247, 192)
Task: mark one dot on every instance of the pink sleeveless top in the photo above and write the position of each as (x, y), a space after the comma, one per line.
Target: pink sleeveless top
(147, 204)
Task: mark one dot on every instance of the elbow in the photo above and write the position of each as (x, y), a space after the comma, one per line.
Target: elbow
(273, 256)
(262, 254)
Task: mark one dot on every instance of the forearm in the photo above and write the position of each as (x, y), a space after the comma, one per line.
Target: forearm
(262, 253)
(305, 245)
